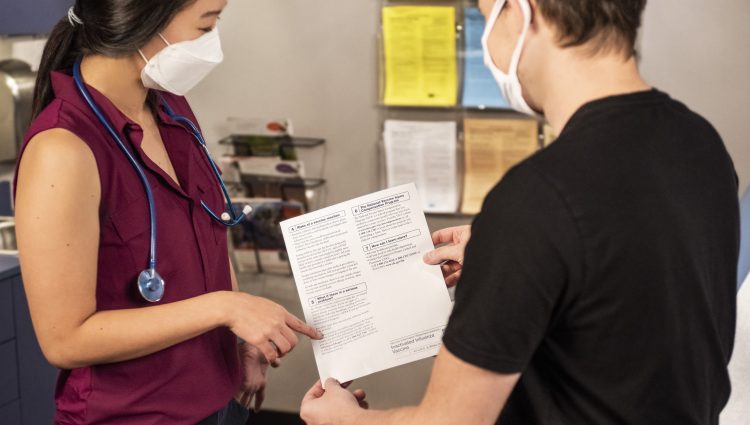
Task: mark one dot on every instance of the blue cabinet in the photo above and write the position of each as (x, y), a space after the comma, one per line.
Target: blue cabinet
(26, 17)
(11, 414)
(27, 381)
(8, 373)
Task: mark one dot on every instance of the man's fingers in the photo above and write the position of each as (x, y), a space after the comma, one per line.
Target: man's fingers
(332, 383)
(445, 253)
(275, 364)
(298, 325)
(316, 391)
(346, 384)
(360, 395)
(450, 267)
(453, 279)
(443, 236)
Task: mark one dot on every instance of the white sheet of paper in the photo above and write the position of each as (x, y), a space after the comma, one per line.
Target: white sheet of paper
(362, 282)
(424, 153)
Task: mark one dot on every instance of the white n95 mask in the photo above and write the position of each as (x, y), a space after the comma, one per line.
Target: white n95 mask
(179, 67)
(509, 83)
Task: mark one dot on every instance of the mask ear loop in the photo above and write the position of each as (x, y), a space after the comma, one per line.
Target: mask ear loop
(515, 60)
(491, 22)
(164, 40)
(140, 52)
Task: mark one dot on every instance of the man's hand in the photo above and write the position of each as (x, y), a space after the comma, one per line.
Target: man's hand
(458, 393)
(332, 405)
(255, 373)
(450, 256)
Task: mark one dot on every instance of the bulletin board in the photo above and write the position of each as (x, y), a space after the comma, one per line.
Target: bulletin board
(445, 124)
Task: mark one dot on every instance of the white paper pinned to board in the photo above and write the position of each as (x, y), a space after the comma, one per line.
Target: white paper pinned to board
(425, 153)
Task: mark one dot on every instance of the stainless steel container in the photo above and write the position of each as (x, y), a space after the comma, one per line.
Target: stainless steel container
(8, 236)
(17, 82)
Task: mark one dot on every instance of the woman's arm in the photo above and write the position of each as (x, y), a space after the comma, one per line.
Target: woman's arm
(57, 221)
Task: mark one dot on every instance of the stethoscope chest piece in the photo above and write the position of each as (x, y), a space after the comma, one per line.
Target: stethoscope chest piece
(151, 286)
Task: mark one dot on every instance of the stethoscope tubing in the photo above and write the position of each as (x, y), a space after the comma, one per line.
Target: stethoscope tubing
(202, 142)
(141, 173)
(150, 283)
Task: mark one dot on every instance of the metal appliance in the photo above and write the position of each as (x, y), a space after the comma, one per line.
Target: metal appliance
(17, 82)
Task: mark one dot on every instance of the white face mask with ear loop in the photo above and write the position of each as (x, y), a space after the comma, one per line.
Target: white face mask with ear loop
(509, 83)
(179, 67)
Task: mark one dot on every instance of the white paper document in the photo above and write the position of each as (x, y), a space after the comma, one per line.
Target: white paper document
(424, 153)
(362, 282)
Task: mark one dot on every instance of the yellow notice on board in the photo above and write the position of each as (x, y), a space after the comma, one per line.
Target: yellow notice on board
(492, 147)
(420, 55)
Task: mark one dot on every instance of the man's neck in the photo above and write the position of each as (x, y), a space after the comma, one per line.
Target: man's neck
(575, 80)
(119, 80)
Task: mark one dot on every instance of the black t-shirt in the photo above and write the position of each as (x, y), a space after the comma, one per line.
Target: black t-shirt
(604, 269)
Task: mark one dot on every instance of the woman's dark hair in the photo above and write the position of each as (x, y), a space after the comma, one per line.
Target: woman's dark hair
(112, 28)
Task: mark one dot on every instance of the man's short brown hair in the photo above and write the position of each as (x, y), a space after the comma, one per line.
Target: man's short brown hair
(610, 24)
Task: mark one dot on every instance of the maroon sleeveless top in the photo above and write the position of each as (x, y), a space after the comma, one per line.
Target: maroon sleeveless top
(187, 382)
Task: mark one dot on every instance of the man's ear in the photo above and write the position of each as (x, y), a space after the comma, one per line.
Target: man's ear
(534, 16)
(485, 6)
(534, 10)
(513, 9)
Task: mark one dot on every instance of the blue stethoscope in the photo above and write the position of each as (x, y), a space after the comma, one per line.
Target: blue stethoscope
(150, 283)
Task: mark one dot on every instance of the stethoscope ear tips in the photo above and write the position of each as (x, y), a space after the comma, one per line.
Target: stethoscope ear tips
(228, 218)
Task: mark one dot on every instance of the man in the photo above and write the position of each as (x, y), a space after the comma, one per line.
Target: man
(599, 282)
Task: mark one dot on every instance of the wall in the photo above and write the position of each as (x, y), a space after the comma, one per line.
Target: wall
(285, 59)
(699, 52)
(314, 62)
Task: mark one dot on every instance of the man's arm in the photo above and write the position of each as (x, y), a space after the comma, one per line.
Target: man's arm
(458, 393)
(524, 248)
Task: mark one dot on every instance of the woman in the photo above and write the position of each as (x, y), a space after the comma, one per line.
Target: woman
(125, 356)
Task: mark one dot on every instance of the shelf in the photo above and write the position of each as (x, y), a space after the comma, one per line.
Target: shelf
(306, 142)
(457, 108)
(285, 141)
